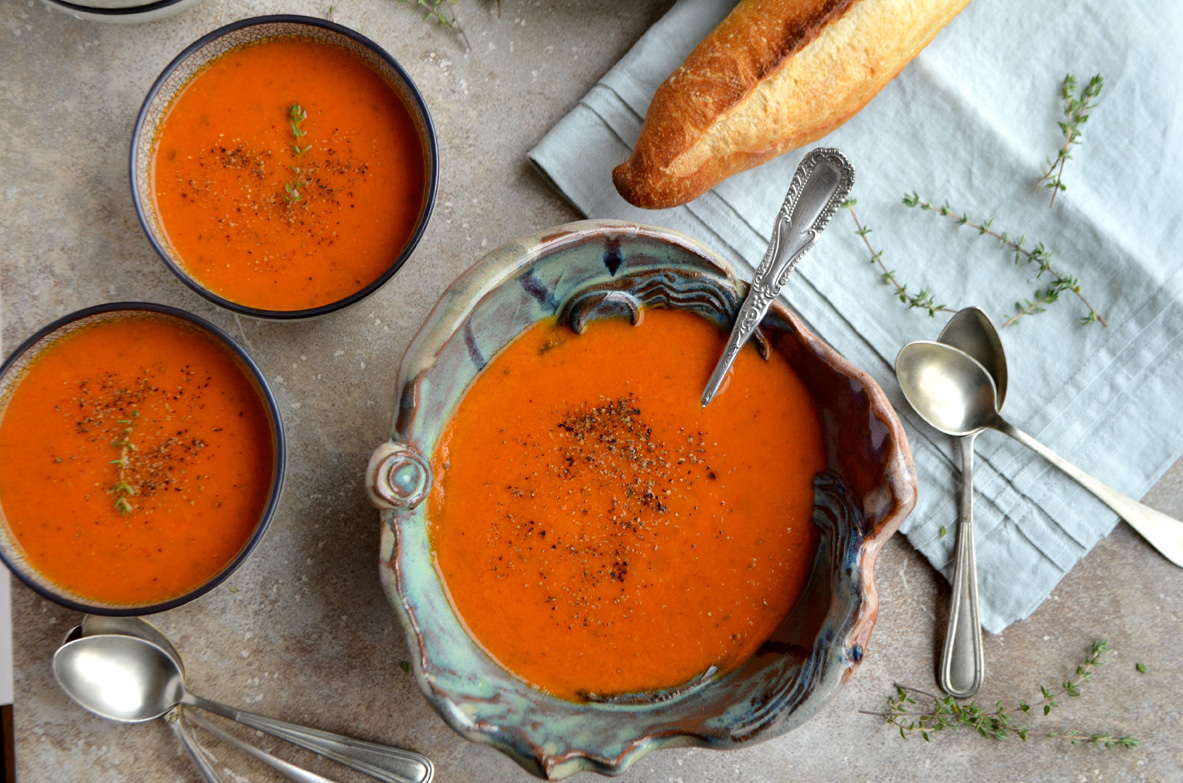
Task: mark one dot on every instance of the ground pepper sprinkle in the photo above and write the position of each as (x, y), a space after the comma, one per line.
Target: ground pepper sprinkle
(598, 531)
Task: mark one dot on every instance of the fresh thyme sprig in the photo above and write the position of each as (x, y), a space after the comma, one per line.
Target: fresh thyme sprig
(293, 189)
(921, 300)
(1076, 109)
(1000, 723)
(450, 21)
(1038, 256)
(121, 489)
(296, 115)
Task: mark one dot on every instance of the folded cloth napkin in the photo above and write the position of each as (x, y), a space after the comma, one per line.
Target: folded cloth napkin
(970, 123)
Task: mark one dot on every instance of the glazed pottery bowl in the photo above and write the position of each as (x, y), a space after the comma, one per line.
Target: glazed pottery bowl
(15, 368)
(246, 33)
(598, 269)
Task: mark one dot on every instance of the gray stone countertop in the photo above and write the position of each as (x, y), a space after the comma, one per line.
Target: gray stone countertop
(306, 633)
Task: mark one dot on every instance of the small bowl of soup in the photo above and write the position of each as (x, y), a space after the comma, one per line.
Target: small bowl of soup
(588, 564)
(284, 167)
(141, 459)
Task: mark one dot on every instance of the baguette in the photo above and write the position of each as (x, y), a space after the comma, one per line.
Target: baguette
(774, 75)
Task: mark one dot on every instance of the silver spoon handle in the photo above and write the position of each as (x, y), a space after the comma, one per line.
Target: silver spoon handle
(385, 763)
(1164, 533)
(963, 662)
(820, 185)
(288, 770)
(204, 765)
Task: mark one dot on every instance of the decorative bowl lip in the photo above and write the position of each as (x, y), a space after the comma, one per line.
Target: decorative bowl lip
(836, 652)
(276, 422)
(429, 140)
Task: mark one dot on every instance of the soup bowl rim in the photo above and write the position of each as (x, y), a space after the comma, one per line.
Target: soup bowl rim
(428, 139)
(271, 408)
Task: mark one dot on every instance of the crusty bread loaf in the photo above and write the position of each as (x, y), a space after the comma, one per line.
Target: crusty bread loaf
(774, 75)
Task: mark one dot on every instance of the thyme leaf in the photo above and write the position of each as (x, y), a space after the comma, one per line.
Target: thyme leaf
(121, 488)
(1037, 255)
(923, 299)
(1000, 722)
(1076, 114)
(441, 12)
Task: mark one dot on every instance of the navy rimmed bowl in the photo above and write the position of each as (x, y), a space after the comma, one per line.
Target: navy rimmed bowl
(11, 372)
(245, 33)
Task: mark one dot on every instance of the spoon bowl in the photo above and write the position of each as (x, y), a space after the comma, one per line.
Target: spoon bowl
(972, 331)
(122, 678)
(101, 625)
(950, 389)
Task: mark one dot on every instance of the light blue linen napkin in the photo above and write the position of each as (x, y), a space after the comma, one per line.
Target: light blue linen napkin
(970, 122)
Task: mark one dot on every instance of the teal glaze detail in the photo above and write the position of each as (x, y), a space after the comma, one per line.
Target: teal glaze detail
(604, 269)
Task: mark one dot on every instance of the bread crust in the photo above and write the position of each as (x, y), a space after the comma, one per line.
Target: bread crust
(774, 75)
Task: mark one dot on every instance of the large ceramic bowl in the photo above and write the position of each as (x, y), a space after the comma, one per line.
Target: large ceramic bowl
(598, 269)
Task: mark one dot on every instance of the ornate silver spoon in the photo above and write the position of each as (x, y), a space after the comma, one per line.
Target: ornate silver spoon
(820, 185)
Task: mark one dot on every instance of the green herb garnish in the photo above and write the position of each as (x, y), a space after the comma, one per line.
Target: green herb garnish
(122, 489)
(436, 13)
(1076, 108)
(1038, 255)
(296, 115)
(999, 723)
(293, 190)
(921, 300)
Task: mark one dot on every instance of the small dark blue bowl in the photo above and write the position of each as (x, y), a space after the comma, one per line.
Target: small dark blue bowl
(13, 370)
(244, 33)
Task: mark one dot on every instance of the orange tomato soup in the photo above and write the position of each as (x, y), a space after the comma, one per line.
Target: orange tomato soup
(598, 531)
(287, 175)
(136, 460)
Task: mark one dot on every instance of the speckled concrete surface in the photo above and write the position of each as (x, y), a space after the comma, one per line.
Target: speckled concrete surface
(306, 634)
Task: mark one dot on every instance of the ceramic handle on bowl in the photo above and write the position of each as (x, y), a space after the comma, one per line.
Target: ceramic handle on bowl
(391, 765)
(398, 477)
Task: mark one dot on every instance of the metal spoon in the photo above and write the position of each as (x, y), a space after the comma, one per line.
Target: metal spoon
(821, 183)
(956, 395)
(93, 625)
(290, 771)
(128, 679)
(963, 661)
(98, 625)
